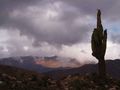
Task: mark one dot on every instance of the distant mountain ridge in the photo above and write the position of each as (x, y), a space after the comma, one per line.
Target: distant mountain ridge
(48, 65)
(40, 64)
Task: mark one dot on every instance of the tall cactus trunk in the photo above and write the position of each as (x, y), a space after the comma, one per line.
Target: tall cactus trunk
(98, 44)
(102, 68)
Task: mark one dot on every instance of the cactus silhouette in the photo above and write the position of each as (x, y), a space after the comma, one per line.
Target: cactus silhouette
(98, 44)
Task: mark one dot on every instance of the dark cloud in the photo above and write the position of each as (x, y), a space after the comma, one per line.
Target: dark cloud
(56, 22)
(110, 14)
(62, 31)
(90, 6)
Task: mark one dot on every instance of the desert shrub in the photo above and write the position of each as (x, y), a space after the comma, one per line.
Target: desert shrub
(79, 85)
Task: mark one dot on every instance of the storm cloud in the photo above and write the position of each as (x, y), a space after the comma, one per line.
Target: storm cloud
(55, 27)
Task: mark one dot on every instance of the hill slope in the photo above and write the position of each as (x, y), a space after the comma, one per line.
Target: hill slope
(113, 69)
(12, 78)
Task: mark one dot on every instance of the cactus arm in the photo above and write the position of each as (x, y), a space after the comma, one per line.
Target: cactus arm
(104, 42)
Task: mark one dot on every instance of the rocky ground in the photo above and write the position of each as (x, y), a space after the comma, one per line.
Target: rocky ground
(18, 79)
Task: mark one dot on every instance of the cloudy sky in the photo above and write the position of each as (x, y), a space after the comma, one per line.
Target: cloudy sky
(57, 27)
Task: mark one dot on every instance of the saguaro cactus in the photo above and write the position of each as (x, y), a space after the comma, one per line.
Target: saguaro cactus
(98, 44)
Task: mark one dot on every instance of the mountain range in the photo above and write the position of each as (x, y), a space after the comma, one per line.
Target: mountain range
(40, 64)
(65, 78)
(58, 67)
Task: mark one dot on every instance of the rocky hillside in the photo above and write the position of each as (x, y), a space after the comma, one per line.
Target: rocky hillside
(12, 78)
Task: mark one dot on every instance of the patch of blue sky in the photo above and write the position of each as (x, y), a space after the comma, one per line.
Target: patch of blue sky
(113, 27)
